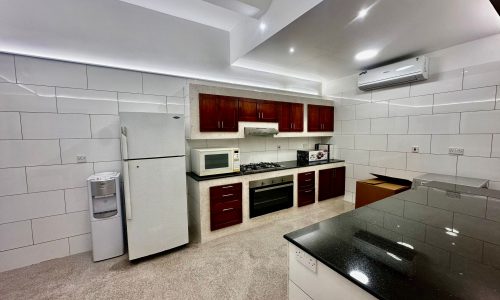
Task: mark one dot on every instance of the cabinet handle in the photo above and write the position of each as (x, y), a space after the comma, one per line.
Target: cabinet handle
(227, 195)
(227, 187)
(308, 191)
(262, 116)
(222, 124)
(308, 179)
(218, 124)
(227, 209)
(291, 125)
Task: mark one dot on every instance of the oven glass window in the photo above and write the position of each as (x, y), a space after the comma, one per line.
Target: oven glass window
(216, 161)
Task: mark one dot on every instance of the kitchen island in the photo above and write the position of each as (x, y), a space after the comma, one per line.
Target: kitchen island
(439, 241)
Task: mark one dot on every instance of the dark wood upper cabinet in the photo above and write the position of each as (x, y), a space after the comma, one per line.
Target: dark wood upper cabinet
(291, 117)
(228, 113)
(252, 110)
(319, 118)
(218, 113)
(247, 110)
(268, 111)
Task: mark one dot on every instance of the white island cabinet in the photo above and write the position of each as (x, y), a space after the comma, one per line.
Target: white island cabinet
(310, 279)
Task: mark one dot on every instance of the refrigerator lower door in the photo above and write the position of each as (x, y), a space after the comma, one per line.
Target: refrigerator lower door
(156, 204)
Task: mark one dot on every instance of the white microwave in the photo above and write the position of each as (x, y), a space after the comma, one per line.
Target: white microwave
(215, 161)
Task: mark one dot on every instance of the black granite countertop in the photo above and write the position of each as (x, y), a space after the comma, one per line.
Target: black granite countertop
(439, 242)
(285, 165)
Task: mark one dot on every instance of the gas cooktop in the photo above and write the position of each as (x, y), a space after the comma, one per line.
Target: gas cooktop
(259, 167)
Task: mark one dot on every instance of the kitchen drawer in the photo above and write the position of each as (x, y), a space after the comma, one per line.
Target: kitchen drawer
(226, 217)
(306, 180)
(306, 196)
(218, 207)
(223, 193)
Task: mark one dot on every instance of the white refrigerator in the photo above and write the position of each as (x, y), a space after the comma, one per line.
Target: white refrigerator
(154, 168)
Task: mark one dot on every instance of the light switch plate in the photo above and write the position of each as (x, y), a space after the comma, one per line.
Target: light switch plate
(455, 151)
(81, 158)
(307, 260)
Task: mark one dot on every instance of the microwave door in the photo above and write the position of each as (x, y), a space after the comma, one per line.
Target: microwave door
(217, 163)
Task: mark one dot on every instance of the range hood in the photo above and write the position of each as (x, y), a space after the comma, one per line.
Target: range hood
(259, 131)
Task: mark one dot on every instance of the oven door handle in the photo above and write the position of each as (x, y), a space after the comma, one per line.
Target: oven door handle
(258, 190)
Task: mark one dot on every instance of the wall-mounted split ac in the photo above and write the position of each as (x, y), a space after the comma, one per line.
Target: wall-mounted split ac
(406, 71)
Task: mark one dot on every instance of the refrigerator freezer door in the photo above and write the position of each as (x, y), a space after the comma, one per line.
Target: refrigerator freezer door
(158, 206)
(149, 135)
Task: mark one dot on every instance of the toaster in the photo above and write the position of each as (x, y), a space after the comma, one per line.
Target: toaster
(307, 156)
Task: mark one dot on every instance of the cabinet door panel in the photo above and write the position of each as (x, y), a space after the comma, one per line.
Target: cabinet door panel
(326, 118)
(338, 187)
(209, 120)
(228, 113)
(313, 118)
(284, 120)
(297, 117)
(268, 111)
(325, 184)
(247, 110)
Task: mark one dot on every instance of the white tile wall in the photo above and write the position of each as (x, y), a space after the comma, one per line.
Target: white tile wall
(371, 142)
(437, 124)
(142, 103)
(7, 68)
(163, 85)
(86, 101)
(108, 79)
(15, 235)
(465, 100)
(480, 122)
(50, 72)
(80, 243)
(30, 206)
(394, 125)
(454, 108)
(76, 199)
(56, 227)
(94, 149)
(18, 153)
(26, 256)
(473, 144)
(47, 118)
(55, 126)
(10, 125)
(56, 177)
(27, 98)
(13, 181)
(404, 143)
(105, 126)
(420, 105)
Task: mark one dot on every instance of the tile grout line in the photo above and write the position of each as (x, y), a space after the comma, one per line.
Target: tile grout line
(15, 69)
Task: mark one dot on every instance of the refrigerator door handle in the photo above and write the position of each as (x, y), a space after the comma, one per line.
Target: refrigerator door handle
(124, 142)
(126, 189)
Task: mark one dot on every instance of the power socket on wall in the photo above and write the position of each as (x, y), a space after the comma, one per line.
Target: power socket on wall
(307, 260)
(456, 151)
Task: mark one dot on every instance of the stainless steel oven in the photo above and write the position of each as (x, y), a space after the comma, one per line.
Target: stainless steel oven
(270, 195)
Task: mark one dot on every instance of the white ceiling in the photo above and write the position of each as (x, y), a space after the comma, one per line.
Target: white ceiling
(327, 37)
(220, 40)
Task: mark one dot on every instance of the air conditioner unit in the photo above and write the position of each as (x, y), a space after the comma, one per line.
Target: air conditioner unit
(409, 70)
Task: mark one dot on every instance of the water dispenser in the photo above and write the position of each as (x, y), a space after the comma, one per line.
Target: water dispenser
(105, 215)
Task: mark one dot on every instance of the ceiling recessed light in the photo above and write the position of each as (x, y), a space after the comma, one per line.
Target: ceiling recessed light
(366, 54)
(262, 26)
(362, 13)
(291, 50)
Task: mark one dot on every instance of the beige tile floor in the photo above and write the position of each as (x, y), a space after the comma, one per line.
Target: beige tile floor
(246, 265)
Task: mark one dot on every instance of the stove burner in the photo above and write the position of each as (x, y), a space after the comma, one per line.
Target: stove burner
(259, 167)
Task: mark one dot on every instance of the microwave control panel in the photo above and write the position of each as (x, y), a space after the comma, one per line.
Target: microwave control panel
(236, 161)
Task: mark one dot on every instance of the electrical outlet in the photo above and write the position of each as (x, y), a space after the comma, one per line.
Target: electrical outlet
(81, 158)
(307, 260)
(415, 149)
(455, 151)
